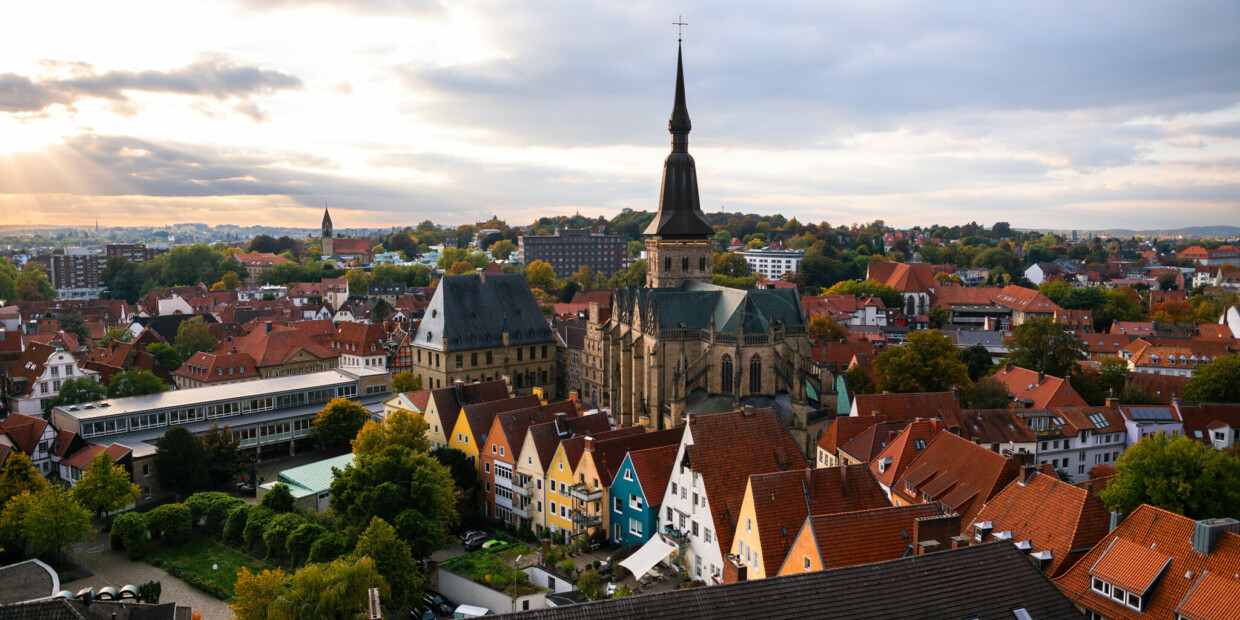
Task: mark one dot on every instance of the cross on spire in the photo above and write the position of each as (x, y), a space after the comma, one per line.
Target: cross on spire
(679, 24)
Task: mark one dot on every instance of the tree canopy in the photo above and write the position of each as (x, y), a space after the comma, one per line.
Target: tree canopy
(75, 391)
(1215, 382)
(1045, 345)
(136, 382)
(891, 297)
(181, 462)
(400, 428)
(339, 422)
(1177, 474)
(926, 363)
(105, 486)
(193, 336)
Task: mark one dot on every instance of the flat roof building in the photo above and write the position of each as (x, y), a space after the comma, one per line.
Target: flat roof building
(570, 248)
(773, 262)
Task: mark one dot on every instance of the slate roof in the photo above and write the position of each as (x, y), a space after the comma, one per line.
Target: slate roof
(725, 470)
(989, 426)
(1053, 515)
(956, 472)
(783, 500)
(695, 305)
(473, 312)
(653, 468)
(866, 536)
(907, 406)
(993, 580)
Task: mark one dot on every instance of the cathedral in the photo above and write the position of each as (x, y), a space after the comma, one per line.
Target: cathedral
(684, 346)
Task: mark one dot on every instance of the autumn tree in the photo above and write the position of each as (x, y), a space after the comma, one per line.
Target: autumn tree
(502, 249)
(255, 592)
(540, 273)
(400, 428)
(1177, 474)
(823, 329)
(989, 393)
(892, 298)
(105, 486)
(406, 382)
(335, 591)
(1045, 345)
(115, 334)
(1215, 382)
(338, 423)
(193, 336)
(393, 561)
(926, 363)
(19, 475)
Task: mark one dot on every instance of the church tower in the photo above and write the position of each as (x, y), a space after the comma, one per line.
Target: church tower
(679, 242)
(328, 242)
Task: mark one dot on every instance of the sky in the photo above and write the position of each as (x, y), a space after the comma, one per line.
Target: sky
(1046, 114)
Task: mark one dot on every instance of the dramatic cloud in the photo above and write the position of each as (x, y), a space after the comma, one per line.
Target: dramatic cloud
(218, 77)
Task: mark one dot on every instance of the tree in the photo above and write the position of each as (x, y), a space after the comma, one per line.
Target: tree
(938, 317)
(278, 529)
(823, 329)
(731, 264)
(407, 489)
(254, 593)
(502, 249)
(400, 428)
(406, 382)
(224, 458)
(989, 393)
(168, 357)
(1177, 474)
(33, 285)
(1055, 290)
(1044, 345)
(106, 486)
(633, 276)
(279, 499)
(19, 475)
(327, 547)
(73, 323)
(540, 273)
(590, 585)
(859, 381)
(132, 531)
(56, 520)
(460, 268)
(926, 363)
(115, 334)
(339, 422)
(193, 336)
(392, 559)
(359, 282)
(234, 526)
(181, 462)
(335, 591)
(380, 311)
(301, 541)
(891, 297)
(1112, 374)
(976, 359)
(174, 522)
(464, 476)
(1215, 382)
(1101, 470)
(136, 382)
(73, 392)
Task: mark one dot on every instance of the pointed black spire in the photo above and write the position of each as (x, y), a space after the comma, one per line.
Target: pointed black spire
(679, 122)
(327, 218)
(680, 213)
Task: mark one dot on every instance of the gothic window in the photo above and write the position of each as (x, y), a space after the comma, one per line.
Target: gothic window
(755, 374)
(702, 263)
(911, 307)
(684, 264)
(667, 264)
(725, 371)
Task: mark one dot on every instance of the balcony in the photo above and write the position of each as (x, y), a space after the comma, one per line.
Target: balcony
(586, 520)
(523, 512)
(581, 492)
(675, 536)
(523, 490)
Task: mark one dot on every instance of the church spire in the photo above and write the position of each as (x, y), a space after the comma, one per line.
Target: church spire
(679, 121)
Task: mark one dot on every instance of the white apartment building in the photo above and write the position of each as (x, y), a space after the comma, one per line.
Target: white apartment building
(773, 263)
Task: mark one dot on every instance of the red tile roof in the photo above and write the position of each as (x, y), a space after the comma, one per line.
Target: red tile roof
(82, 458)
(24, 430)
(609, 454)
(957, 472)
(844, 429)
(480, 416)
(873, 440)
(949, 296)
(867, 536)
(907, 406)
(279, 345)
(902, 450)
(1130, 566)
(1053, 515)
(218, 367)
(653, 467)
(547, 436)
(725, 470)
(1041, 390)
(358, 338)
(905, 277)
(783, 500)
(1198, 417)
(1025, 300)
(1213, 597)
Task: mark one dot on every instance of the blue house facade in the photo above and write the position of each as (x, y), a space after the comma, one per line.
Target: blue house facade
(643, 475)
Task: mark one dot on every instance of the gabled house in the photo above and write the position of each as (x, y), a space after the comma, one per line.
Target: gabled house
(501, 495)
(474, 422)
(1026, 304)
(890, 463)
(443, 405)
(204, 368)
(906, 406)
(283, 351)
(1036, 390)
(1216, 424)
(38, 374)
(1057, 519)
(541, 444)
(597, 469)
(829, 541)
(563, 516)
(76, 464)
(360, 345)
(1157, 564)
(998, 430)
(717, 455)
(841, 432)
(1144, 420)
(636, 492)
(955, 472)
(1072, 440)
(776, 505)
(33, 436)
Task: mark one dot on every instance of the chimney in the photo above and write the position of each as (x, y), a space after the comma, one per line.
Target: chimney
(1041, 377)
(267, 327)
(747, 411)
(1007, 368)
(1116, 518)
(960, 542)
(589, 444)
(982, 529)
(955, 393)
(1027, 472)
(459, 387)
(929, 531)
(1042, 559)
(734, 570)
(1025, 547)
(1206, 533)
(1112, 403)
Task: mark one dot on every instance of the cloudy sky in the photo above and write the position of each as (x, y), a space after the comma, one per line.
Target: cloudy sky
(1040, 113)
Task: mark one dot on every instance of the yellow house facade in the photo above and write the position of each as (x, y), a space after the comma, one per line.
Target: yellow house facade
(461, 438)
(746, 543)
(559, 493)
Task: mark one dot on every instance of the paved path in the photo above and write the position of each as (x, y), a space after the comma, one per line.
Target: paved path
(113, 568)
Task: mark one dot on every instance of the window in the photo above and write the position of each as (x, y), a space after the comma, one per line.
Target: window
(806, 562)
(635, 502)
(501, 451)
(146, 470)
(667, 263)
(707, 532)
(460, 361)
(617, 504)
(675, 491)
(628, 475)
(487, 467)
(755, 374)
(635, 527)
(725, 374)
(748, 525)
(702, 263)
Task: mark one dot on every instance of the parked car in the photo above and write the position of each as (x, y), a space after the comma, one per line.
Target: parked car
(422, 613)
(475, 542)
(438, 603)
(471, 534)
(494, 545)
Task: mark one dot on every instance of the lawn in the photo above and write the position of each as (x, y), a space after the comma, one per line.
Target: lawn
(495, 570)
(198, 558)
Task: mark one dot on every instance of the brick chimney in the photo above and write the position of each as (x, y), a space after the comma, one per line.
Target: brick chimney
(747, 411)
(1112, 403)
(960, 542)
(589, 444)
(937, 530)
(1041, 377)
(734, 570)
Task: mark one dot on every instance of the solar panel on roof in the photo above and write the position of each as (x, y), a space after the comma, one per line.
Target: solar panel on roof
(1151, 413)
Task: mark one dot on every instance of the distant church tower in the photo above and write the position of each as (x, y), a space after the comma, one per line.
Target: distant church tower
(328, 242)
(679, 242)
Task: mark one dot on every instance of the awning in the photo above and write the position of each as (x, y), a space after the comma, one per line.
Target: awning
(650, 554)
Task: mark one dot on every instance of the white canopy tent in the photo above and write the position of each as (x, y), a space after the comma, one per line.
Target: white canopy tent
(648, 556)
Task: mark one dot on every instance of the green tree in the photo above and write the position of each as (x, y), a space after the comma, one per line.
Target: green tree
(19, 475)
(278, 530)
(73, 392)
(731, 264)
(174, 522)
(633, 276)
(392, 559)
(400, 428)
(540, 273)
(1177, 474)
(193, 336)
(989, 393)
(8, 280)
(407, 489)
(926, 363)
(406, 382)
(73, 323)
(136, 382)
(1123, 304)
(327, 547)
(1044, 345)
(464, 476)
(181, 462)
(33, 285)
(859, 381)
(106, 486)
(255, 593)
(502, 249)
(891, 297)
(256, 524)
(359, 282)
(132, 531)
(590, 585)
(1112, 374)
(301, 541)
(115, 334)
(13, 518)
(1055, 290)
(823, 329)
(56, 520)
(938, 317)
(335, 591)
(279, 499)
(380, 311)
(224, 458)
(1215, 382)
(234, 526)
(338, 423)
(976, 359)
(168, 356)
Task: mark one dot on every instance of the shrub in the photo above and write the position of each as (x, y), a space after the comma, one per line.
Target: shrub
(174, 522)
(327, 547)
(217, 512)
(302, 540)
(131, 530)
(149, 592)
(234, 527)
(198, 582)
(279, 499)
(278, 529)
(568, 567)
(254, 525)
(199, 503)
